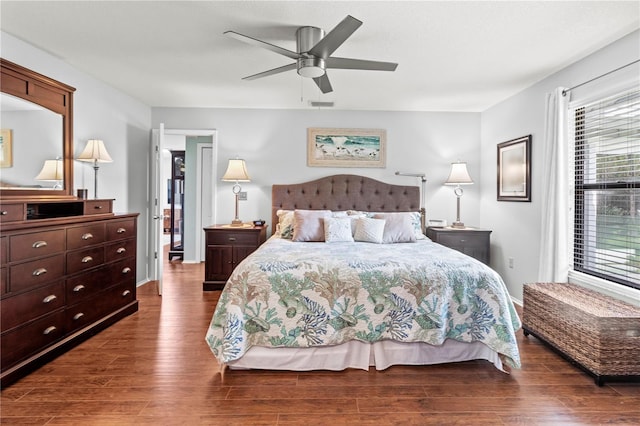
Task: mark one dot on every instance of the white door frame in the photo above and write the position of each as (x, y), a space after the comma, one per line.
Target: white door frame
(200, 180)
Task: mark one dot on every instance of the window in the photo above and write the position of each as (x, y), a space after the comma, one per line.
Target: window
(606, 240)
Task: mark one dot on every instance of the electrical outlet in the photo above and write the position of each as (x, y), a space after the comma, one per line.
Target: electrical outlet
(242, 195)
(511, 262)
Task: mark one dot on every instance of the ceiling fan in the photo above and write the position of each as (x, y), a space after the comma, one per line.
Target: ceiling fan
(313, 57)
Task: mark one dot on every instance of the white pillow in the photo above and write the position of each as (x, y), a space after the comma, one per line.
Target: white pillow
(397, 228)
(337, 229)
(414, 218)
(308, 225)
(369, 230)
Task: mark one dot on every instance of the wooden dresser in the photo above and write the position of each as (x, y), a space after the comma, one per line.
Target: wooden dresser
(67, 272)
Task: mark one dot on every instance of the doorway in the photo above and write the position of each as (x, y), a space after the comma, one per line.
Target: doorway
(198, 201)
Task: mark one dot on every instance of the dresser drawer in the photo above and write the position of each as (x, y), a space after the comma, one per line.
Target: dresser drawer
(27, 306)
(120, 229)
(3, 281)
(27, 275)
(97, 206)
(233, 238)
(12, 212)
(22, 342)
(84, 236)
(99, 305)
(3, 251)
(36, 244)
(123, 270)
(81, 260)
(120, 250)
(85, 285)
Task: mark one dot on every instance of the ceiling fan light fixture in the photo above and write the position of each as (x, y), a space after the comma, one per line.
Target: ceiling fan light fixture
(311, 67)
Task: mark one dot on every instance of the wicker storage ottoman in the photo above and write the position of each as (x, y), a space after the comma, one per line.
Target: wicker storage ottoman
(599, 333)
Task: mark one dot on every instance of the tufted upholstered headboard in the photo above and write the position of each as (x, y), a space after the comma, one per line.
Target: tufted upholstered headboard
(344, 192)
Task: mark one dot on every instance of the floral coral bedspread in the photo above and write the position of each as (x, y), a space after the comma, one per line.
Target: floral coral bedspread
(303, 294)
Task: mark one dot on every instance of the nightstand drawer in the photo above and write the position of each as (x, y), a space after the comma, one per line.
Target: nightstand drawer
(466, 240)
(473, 242)
(233, 238)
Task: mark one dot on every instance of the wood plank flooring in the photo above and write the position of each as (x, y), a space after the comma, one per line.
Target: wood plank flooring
(154, 368)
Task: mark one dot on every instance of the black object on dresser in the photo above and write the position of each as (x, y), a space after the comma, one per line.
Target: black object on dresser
(68, 270)
(470, 241)
(226, 247)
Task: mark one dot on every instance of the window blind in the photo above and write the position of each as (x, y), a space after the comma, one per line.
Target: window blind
(607, 188)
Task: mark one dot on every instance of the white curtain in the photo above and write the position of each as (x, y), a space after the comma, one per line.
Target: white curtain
(554, 246)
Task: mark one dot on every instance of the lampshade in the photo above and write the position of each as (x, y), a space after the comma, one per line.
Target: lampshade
(459, 175)
(236, 171)
(52, 170)
(95, 151)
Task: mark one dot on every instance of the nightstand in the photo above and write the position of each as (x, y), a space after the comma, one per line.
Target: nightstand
(226, 247)
(470, 241)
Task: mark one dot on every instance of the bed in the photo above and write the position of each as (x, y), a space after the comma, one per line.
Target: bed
(311, 298)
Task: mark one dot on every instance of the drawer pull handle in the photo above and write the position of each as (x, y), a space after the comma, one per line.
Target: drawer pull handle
(126, 270)
(121, 231)
(77, 316)
(97, 207)
(50, 298)
(463, 241)
(121, 250)
(49, 330)
(87, 259)
(87, 236)
(232, 238)
(39, 271)
(126, 293)
(39, 244)
(78, 288)
(4, 213)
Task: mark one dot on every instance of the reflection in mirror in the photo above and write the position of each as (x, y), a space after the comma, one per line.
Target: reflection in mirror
(36, 135)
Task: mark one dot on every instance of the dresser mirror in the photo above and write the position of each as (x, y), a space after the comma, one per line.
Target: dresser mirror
(36, 146)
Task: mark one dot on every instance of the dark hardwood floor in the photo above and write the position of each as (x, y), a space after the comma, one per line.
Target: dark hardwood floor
(155, 368)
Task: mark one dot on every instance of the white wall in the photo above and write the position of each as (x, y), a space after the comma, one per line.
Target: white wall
(104, 113)
(274, 145)
(517, 226)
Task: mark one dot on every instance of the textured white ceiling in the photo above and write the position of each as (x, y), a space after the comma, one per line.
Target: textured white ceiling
(453, 56)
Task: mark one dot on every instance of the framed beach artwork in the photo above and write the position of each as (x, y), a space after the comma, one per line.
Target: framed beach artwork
(6, 155)
(346, 147)
(514, 170)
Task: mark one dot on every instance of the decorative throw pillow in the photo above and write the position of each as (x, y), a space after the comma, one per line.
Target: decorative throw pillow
(397, 228)
(308, 225)
(414, 218)
(284, 228)
(337, 230)
(369, 230)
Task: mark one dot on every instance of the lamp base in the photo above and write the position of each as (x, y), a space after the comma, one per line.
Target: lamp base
(236, 222)
(458, 225)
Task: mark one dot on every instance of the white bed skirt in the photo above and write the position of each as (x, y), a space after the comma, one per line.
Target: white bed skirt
(361, 355)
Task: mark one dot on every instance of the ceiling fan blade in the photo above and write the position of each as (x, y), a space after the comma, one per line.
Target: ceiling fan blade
(329, 43)
(360, 64)
(263, 44)
(323, 83)
(271, 72)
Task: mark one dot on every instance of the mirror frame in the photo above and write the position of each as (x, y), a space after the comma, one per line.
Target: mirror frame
(53, 95)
